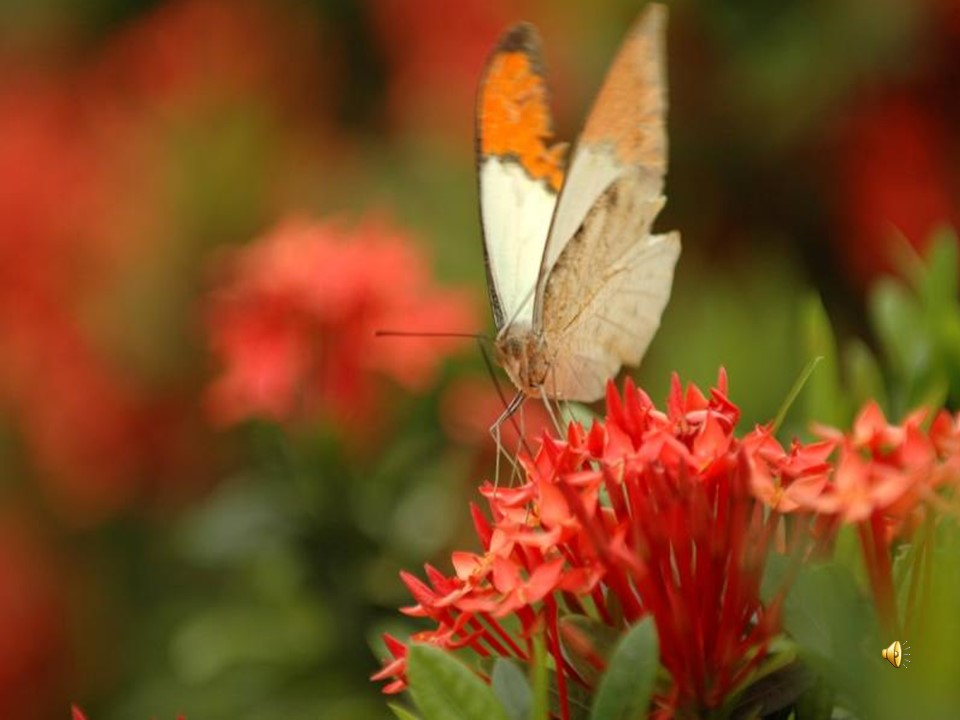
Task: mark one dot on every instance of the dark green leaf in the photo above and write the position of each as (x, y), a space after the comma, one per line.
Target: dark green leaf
(512, 689)
(897, 318)
(773, 689)
(864, 377)
(401, 712)
(775, 573)
(444, 688)
(625, 688)
(822, 398)
(540, 679)
(833, 625)
(795, 391)
(938, 286)
(817, 702)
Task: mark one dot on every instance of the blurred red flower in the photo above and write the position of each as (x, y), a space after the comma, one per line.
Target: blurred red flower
(35, 646)
(897, 165)
(185, 56)
(90, 197)
(74, 409)
(896, 180)
(435, 51)
(468, 410)
(294, 319)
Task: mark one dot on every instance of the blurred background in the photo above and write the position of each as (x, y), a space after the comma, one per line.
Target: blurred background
(211, 471)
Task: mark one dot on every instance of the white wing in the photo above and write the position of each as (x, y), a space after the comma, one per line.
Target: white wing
(519, 173)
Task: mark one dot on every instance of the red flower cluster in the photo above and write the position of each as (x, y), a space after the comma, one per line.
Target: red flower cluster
(896, 171)
(885, 481)
(434, 63)
(88, 206)
(294, 322)
(668, 515)
(32, 624)
(189, 56)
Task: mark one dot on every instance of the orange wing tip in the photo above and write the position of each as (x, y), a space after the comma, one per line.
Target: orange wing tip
(513, 113)
(629, 111)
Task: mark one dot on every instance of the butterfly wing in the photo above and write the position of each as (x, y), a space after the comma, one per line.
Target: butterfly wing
(519, 172)
(604, 280)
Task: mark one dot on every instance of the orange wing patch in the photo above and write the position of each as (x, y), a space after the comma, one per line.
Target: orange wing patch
(513, 113)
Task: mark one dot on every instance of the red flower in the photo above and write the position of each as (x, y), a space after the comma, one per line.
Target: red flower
(72, 405)
(663, 514)
(885, 477)
(678, 536)
(294, 322)
(434, 62)
(895, 177)
(192, 55)
(33, 670)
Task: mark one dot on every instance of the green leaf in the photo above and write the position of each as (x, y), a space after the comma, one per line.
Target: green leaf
(833, 624)
(939, 285)
(817, 702)
(445, 688)
(795, 391)
(863, 375)
(540, 679)
(401, 712)
(512, 689)
(625, 688)
(848, 553)
(777, 684)
(898, 320)
(823, 400)
(775, 574)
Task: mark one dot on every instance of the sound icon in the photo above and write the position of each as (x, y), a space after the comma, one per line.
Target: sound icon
(895, 655)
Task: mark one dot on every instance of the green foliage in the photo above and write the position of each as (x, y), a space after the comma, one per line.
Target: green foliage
(832, 621)
(916, 323)
(401, 712)
(822, 395)
(445, 688)
(626, 686)
(512, 689)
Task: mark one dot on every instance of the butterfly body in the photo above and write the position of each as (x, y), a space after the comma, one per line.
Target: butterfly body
(524, 355)
(577, 280)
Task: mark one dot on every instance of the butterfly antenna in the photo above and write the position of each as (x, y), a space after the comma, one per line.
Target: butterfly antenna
(413, 333)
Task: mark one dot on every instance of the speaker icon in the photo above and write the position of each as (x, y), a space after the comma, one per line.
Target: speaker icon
(895, 655)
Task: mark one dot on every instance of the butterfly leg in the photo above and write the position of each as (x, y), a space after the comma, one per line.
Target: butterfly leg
(507, 414)
(554, 418)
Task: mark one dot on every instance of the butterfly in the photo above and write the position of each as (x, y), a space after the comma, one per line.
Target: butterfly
(576, 279)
